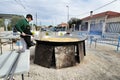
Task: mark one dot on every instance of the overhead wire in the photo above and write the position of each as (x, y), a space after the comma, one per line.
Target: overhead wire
(4, 0)
(20, 3)
(105, 5)
(96, 8)
(88, 12)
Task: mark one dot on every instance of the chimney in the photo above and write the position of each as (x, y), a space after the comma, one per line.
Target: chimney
(91, 13)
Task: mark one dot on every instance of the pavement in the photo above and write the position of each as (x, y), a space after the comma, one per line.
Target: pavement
(100, 63)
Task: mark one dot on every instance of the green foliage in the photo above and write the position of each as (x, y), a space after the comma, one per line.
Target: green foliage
(1, 22)
(9, 28)
(38, 27)
(15, 19)
(12, 22)
(50, 26)
(74, 21)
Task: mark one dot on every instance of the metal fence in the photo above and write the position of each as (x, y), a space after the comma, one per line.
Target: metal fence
(113, 27)
(96, 29)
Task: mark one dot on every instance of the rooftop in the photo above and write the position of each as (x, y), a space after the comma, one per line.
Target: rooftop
(109, 14)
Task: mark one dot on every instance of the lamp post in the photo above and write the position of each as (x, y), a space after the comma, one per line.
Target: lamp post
(36, 18)
(68, 15)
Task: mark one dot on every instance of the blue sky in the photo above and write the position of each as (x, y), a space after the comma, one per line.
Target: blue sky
(53, 12)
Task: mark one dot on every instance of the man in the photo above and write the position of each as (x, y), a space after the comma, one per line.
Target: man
(24, 28)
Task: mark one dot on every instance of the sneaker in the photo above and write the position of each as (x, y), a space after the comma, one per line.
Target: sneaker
(11, 78)
(20, 51)
(32, 43)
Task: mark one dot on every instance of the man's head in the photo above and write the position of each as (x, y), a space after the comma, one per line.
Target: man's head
(29, 17)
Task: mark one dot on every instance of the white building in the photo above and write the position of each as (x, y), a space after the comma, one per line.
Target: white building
(108, 21)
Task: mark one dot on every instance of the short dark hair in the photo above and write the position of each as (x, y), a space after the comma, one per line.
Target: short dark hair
(29, 16)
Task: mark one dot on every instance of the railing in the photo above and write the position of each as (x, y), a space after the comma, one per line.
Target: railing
(107, 38)
(118, 45)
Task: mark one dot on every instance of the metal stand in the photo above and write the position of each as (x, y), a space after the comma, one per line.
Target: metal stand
(22, 76)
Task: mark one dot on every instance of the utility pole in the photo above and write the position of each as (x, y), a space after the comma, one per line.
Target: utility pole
(67, 15)
(36, 18)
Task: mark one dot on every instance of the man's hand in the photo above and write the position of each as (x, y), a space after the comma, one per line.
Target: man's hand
(23, 34)
(32, 35)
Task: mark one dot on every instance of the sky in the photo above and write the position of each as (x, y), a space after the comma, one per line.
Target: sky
(54, 12)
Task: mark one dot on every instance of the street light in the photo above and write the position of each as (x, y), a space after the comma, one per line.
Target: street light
(68, 15)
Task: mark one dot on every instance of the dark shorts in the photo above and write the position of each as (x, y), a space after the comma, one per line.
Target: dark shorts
(27, 40)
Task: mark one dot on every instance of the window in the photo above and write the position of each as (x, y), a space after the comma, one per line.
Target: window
(102, 21)
(92, 22)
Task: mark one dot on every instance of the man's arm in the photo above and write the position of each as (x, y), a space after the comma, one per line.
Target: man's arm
(19, 25)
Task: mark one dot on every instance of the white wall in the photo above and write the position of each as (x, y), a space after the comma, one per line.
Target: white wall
(97, 20)
(116, 19)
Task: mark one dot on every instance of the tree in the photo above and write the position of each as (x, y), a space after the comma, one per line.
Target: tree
(50, 26)
(15, 19)
(75, 21)
(1, 22)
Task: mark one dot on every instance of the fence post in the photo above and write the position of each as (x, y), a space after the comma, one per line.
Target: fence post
(118, 45)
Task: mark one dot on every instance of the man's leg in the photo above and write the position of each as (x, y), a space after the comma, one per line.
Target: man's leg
(24, 45)
(27, 39)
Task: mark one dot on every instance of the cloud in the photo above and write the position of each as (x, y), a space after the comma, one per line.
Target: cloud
(55, 11)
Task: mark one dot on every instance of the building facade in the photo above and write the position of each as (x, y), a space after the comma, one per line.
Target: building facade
(108, 21)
